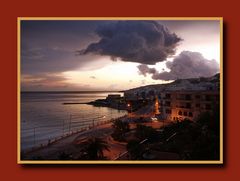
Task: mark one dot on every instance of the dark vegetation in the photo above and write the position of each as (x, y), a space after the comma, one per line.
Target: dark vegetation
(197, 140)
(191, 140)
(92, 149)
(120, 130)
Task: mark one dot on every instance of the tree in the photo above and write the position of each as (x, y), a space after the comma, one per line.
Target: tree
(64, 156)
(143, 132)
(207, 144)
(195, 140)
(134, 149)
(121, 126)
(120, 129)
(93, 148)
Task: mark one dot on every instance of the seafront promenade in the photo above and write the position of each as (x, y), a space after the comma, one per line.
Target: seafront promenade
(67, 143)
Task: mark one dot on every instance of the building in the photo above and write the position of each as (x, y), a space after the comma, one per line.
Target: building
(180, 99)
(180, 105)
(113, 97)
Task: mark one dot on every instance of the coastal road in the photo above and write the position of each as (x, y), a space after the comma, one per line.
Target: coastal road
(67, 145)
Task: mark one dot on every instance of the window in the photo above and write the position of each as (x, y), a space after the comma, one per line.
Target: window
(167, 103)
(168, 111)
(180, 97)
(185, 113)
(197, 96)
(210, 88)
(190, 114)
(188, 97)
(208, 98)
(188, 105)
(143, 94)
(217, 98)
(208, 106)
(168, 96)
(180, 113)
(197, 105)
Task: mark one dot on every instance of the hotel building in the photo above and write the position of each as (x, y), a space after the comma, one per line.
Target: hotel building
(180, 105)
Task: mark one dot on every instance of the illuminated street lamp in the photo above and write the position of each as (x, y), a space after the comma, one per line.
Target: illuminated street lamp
(156, 106)
(129, 107)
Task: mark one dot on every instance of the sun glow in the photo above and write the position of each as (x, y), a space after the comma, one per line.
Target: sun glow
(116, 75)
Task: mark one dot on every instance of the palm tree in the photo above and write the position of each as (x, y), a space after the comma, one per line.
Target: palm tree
(143, 132)
(93, 148)
(121, 126)
(120, 129)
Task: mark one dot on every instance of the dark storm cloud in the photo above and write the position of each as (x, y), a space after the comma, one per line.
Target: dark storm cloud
(146, 42)
(54, 59)
(144, 69)
(50, 46)
(41, 60)
(211, 26)
(186, 65)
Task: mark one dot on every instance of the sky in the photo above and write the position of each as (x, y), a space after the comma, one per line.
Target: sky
(90, 55)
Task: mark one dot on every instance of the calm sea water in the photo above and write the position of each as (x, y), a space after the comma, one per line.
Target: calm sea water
(45, 117)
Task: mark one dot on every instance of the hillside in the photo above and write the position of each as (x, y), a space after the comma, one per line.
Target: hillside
(192, 84)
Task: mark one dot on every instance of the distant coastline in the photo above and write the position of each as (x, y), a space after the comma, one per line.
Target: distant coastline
(68, 92)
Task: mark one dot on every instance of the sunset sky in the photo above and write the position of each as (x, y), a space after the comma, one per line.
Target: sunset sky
(115, 55)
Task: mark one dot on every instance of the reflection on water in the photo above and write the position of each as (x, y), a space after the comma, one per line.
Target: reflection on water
(44, 117)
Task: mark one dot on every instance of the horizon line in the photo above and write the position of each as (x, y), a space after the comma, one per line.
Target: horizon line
(25, 91)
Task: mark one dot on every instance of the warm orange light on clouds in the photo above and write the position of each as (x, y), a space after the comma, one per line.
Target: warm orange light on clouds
(49, 60)
(114, 76)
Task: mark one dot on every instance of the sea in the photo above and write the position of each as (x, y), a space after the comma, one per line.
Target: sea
(44, 117)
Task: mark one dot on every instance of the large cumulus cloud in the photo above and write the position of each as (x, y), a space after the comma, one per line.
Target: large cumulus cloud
(146, 42)
(186, 65)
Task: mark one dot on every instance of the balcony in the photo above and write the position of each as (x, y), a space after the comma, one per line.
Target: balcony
(184, 107)
(184, 97)
(166, 98)
(166, 105)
